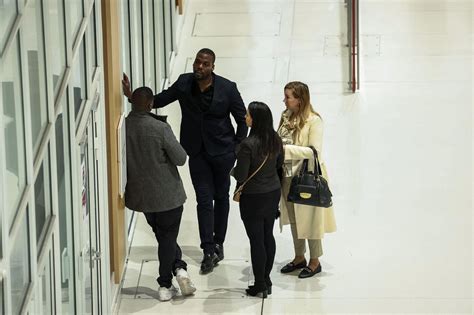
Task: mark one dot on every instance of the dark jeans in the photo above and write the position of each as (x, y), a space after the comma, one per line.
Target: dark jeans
(165, 225)
(258, 213)
(211, 181)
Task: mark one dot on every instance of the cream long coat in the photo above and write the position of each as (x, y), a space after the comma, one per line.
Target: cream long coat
(311, 222)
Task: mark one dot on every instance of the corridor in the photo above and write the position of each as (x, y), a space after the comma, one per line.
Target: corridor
(398, 153)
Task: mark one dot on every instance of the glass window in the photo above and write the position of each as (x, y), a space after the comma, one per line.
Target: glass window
(33, 41)
(58, 43)
(150, 58)
(76, 13)
(8, 11)
(66, 230)
(137, 45)
(159, 37)
(20, 266)
(93, 43)
(126, 47)
(42, 200)
(78, 80)
(11, 97)
(46, 289)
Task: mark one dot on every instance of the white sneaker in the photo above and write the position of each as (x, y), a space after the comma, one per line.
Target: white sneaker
(166, 294)
(185, 284)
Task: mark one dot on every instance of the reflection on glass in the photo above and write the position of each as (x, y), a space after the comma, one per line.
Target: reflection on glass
(42, 200)
(125, 37)
(14, 141)
(78, 79)
(47, 293)
(160, 35)
(93, 43)
(7, 17)
(126, 47)
(137, 46)
(76, 13)
(168, 19)
(151, 47)
(57, 43)
(20, 266)
(34, 50)
(66, 231)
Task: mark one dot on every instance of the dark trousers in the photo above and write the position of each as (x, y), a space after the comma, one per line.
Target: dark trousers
(258, 212)
(211, 181)
(165, 225)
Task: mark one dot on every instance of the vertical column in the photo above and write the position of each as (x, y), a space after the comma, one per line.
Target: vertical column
(113, 107)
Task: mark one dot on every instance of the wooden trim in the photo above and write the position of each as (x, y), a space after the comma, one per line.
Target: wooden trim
(113, 107)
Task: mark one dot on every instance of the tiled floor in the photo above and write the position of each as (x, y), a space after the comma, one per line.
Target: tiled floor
(399, 155)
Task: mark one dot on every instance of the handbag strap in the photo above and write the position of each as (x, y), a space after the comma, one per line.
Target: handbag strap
(317, 166)
(250, 177)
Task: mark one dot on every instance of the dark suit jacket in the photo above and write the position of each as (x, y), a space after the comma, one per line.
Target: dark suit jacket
(212, 128)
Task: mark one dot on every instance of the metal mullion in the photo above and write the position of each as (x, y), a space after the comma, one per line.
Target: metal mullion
(61, 91)
(86, 106)
(153, 43)
(98, 34)
(47, 243)
(55, 257)
(87, 20)
(156, 18)
(42, 149)
(68, 212)
(77, 43)
(142, 34)
(3, 223)
(76, 213)
(29, 170)
(349, 40)
(358, 44)
(95, 86)
(13, 32)
(47, 64)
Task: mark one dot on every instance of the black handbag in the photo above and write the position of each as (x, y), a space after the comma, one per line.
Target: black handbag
(308, 188)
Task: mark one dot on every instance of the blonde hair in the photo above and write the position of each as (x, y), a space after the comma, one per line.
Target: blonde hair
(300, 91)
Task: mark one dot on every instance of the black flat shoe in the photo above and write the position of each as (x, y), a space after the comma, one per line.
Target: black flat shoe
(253, 291)
(208, 263)
(307, 272)
(290, 267)
(219, 250)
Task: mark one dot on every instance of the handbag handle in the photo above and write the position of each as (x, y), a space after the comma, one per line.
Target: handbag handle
(241, 187)
(316, 161)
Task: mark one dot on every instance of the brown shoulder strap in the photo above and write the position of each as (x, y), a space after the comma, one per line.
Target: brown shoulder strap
(258, 169)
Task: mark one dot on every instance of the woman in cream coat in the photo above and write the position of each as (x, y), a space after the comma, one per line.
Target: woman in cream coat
(301, 127)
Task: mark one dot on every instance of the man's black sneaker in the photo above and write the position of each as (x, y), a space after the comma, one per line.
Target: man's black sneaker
(219, 251)
(208, 263)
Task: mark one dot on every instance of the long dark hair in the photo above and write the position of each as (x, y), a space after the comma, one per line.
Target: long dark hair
(268, 141)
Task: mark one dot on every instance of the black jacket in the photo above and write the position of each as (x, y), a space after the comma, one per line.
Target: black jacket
(212, 128)
(248, 160)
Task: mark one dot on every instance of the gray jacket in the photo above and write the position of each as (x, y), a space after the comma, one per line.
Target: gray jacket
(153, 181)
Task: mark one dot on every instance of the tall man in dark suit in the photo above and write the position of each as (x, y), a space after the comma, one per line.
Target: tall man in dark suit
(207, 101)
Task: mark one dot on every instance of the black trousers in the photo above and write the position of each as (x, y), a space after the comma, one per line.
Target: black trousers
(258, 212)
(211, 181)
(165, 225)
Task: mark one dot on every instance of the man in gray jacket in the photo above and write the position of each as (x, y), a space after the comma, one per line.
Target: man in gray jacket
(154, 187)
